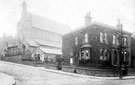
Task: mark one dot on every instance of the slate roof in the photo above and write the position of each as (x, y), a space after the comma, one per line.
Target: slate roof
(31, 42)
(48, 24)
(47, 43)
(97, 24)
(38, 42)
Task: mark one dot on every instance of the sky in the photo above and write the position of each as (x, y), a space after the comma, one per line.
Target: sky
(71, 12)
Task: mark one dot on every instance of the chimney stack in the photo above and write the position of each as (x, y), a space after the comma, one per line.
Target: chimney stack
(88, 18)
(119, 24)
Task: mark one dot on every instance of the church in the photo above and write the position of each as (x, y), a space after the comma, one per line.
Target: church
(40, 37)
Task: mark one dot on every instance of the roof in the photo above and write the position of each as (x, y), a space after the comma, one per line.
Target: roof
(51, 50)
(38, 42)
(97, 24)
(31, 42)
(47, 43)
(48, 24)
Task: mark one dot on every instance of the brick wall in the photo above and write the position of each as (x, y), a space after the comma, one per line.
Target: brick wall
(94, 40)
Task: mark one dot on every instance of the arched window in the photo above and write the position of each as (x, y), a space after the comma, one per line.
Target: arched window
(115, 57)
(125, 56)
(101, 54)
(106, 54)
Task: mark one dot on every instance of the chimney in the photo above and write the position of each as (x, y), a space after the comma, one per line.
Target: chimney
(118, 24)
(88, 18)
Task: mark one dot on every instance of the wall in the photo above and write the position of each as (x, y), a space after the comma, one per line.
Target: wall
(15, 59)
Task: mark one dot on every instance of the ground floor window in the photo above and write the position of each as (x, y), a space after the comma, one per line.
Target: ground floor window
(85, 54)
(115, 57)
(125, 55)
(104, 54)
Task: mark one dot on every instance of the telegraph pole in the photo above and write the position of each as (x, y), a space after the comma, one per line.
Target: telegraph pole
(120, 59)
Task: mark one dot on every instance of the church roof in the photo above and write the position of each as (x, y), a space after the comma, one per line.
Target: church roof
(48, 24)
(31, 42)
(47, 43)
(38, 42)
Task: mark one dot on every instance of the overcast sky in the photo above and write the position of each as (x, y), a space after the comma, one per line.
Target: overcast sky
(69, 12)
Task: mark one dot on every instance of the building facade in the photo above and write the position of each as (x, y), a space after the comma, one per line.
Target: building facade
(96, 44)
(133, 50)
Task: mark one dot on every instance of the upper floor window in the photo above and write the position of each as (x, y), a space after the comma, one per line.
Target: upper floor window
(101, 37)
(86, 38)
(114, 39)
(124, 41)
(117, 40)
(76, 40)
(105, 36)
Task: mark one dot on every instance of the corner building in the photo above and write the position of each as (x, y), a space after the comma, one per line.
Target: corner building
(96, 44)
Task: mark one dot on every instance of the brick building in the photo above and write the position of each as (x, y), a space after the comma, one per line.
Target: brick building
(133, 49)
(96, 44)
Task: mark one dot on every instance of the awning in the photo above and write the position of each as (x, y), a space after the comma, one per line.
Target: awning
(86, 46)
(51, 50)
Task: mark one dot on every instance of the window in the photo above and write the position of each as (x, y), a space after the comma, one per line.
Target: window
(124, 41)
(125, 56)
(85, 54)
(101, 54)
(101, 37)
(117, 40)
(76, 40)
(115, 57)
(106, 38)
(86, 38)
(114, 39)
(104, 54)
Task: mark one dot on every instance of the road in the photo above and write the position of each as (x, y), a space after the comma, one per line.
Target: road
(28, 75)
(6, 79)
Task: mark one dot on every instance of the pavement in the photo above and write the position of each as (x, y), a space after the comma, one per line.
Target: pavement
(6, 79)
(29, 75)
(85, 76)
